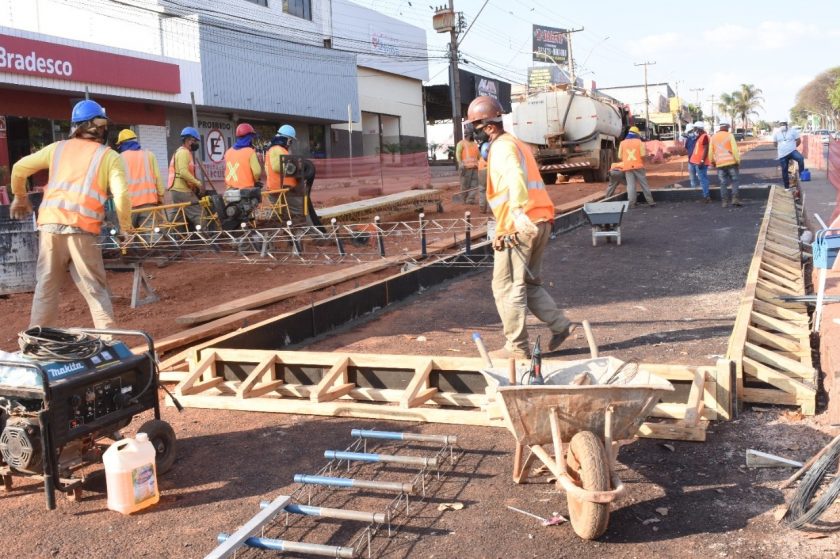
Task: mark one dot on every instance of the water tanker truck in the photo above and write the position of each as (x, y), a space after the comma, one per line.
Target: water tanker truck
(571, 132)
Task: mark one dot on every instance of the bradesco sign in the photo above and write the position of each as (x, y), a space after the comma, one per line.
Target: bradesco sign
(62, 62)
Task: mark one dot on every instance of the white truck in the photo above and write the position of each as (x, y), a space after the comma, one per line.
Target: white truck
(571, 132)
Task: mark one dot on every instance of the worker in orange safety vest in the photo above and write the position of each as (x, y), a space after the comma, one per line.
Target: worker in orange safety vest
(524, 216)
(631, 153)
(82, 173)
(723, 154)
(278, 175)
(466, 157)
(145, 187)
(242, 167)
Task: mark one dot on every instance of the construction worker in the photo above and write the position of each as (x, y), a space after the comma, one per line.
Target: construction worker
(181, 182)
(466, 158)
(524, 216)
(482, 178)
(617, 178)
(631, 153)
(698, 160)
(723, 154)
(145, 187)
(786, 141)
(242, 168)
(278, 156)
(82, 172)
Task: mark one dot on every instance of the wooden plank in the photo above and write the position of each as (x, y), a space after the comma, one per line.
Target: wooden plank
(776, 378)
(777, 325)
(773, 288)
(326, 390)
(235, 541)
(788, 265)
(777, 341)
(213, 328)
(206, 364)
(724, 382)
(769, 396)
(676, 431)
(418, 389)
(786, 273)
(397, 201)
(773, 359)
(767, 275)
(255, 384)
(695, 403)
(772, 309)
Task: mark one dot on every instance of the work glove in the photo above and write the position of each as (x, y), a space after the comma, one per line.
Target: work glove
(523, 224)
(20, 208)
(500, 245)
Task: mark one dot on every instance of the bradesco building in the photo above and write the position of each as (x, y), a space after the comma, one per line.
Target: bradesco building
(42, 77)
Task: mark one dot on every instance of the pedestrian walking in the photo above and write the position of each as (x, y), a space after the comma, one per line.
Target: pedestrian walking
(181, 182)
(466, 157)
(723, 154)
(82, 173)
(698, 161)
(631, 153)
(524, 216)
(145, 187)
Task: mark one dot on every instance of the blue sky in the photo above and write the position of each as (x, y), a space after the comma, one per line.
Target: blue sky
(777, 46)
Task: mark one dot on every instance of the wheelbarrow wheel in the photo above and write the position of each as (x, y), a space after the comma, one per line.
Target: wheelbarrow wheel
(588, 466)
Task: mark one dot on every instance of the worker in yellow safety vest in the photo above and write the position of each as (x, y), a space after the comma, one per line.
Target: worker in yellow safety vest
(82, 173)
(631, 153)
(723, 154)
(145, 187)
(281, 175)
(524, 216)
(242, 168)
(466, 157)
(182, 184)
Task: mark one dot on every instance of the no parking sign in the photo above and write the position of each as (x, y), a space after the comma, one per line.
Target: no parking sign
(214, 145)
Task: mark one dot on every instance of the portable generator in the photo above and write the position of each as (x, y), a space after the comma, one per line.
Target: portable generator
(237, 206)
(64, 394)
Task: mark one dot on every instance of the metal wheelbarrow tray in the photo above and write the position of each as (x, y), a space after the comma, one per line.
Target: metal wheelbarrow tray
(585, 408)
(605, 218)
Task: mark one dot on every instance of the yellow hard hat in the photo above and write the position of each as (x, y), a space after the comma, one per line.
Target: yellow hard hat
(125, 135)
(634, 130)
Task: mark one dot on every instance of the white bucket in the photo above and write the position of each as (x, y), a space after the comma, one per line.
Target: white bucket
(131, 475)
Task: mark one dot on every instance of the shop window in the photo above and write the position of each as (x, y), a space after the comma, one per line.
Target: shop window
(263, 3)
(317, 135)
(299, 8)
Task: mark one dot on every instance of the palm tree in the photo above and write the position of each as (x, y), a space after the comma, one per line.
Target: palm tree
(726, 104)
(747, 100)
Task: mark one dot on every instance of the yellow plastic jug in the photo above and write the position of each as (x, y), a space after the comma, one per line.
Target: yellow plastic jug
(131, 475)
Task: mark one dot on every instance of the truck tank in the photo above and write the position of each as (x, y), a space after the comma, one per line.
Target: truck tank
(542, 117)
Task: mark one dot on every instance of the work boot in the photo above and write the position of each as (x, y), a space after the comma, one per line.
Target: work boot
(736, 201)
(559, 337)
(706, 200)
(505, 353)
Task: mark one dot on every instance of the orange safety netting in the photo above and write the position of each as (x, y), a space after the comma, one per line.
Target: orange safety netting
(834, 179)
(813, 150)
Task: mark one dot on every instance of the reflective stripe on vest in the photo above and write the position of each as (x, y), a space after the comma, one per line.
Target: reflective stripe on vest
(469, 154)
(238, 168)
(539, 206)
(630, 152)
(142, 188)
(700, 155)
(173, 175)
(73, 195)
(722, 149)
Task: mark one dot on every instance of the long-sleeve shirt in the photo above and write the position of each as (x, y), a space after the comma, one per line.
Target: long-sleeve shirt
(507, 170)
(111, 176)
(156, 173)
(184, 180)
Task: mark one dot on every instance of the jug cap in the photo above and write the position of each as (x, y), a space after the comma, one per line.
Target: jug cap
(142, 437)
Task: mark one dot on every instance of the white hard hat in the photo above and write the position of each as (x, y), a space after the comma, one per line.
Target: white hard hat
(700, 124)
(689, 126)
(722, 124)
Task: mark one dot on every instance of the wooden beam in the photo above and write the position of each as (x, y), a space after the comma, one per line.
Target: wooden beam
(256, 383)
(777, 325)
(695, 403)
(777, 341)
(676, 431)
(418, 390)
(189, 385)
(772, 309)
(769, 396)
(777, 361)
(213, 328)
(326, 389)
(776, 378)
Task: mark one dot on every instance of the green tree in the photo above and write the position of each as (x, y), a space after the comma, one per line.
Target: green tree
(726, 106)
(745, 102)
(695, 112)
(834, 95)
(815, 97)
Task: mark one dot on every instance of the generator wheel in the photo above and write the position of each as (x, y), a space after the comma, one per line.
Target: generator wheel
(162, 437)
(588, 466)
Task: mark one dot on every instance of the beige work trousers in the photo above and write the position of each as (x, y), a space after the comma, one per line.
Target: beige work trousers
(637, 176)
(78, 255)
(517, 292)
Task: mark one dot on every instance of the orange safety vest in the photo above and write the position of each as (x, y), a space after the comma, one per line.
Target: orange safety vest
(142, 188)
(700, 155)
(482, 163)
(238, 168)
(73, 195)
(721, 149)
(469, 154)
(173, 175)
(539, 207)
(630, 151)
(275, 179)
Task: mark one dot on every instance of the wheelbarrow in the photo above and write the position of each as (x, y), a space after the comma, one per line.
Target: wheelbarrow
(586, 410)
(605, 219)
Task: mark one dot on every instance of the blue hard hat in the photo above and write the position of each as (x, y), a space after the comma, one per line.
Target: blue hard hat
(86, 110)
(288, 131)
(190, 131)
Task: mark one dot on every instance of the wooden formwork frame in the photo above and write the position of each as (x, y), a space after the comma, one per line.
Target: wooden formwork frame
(412, 388)
(770, 343)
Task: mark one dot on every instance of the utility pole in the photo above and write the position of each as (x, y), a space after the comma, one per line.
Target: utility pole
(647, 100)
(572, 76)
(698, 91)
(447, 20)
(712, 99)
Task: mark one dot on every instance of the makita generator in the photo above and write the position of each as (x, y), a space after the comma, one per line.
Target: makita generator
(65, 395)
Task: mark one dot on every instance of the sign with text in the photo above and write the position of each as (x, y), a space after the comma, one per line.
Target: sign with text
(63, 62)
(550, 44)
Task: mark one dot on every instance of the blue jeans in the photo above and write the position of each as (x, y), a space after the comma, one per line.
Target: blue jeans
(800, 162)
(699, 173)
(728, 176)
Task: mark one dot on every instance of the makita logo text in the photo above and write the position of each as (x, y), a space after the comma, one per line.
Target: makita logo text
(33, 63)
(66, 369)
